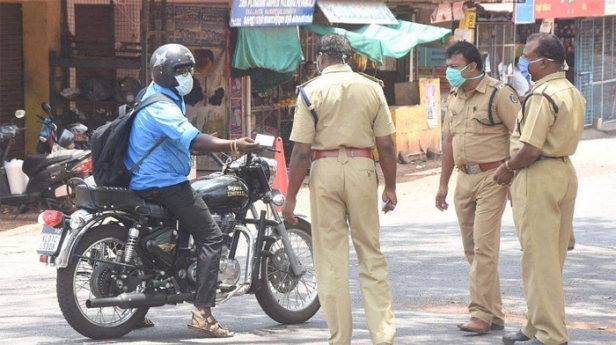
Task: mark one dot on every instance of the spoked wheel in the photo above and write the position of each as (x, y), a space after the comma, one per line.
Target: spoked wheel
(85, 279)
(285, 297)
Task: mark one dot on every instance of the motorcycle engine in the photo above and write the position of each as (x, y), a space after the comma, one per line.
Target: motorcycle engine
(228, 272)
(226, 222)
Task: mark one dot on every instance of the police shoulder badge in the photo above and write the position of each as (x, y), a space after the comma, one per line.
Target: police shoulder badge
(514, 98)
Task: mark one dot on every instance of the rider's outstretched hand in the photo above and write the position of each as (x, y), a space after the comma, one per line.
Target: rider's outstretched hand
(247, 145)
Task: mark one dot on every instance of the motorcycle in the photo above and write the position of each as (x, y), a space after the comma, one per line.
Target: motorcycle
(47, 173)
(118, 255)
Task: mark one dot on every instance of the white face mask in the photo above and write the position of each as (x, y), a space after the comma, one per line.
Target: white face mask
(185, 84)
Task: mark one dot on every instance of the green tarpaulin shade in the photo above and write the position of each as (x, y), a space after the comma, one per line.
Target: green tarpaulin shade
(376, 41)
(274, 48)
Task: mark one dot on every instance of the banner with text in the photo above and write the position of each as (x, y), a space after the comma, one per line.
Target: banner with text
(569, 9)
(249, 13)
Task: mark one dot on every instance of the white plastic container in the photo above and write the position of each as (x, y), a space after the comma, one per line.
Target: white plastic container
(17, 179)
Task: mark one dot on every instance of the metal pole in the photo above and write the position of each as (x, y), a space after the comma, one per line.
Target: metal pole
(411, 64)
(144, 43)
(248, 103)
(603, 68)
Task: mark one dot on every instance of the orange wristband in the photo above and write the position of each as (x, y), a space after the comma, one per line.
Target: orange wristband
(231, 146)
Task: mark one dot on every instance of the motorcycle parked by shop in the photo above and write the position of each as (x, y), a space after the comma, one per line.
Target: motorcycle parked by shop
(118, 255)
(47, 173)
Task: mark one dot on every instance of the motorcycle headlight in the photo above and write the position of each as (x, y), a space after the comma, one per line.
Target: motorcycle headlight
(79, 218)
(278, 199)
(269, 168)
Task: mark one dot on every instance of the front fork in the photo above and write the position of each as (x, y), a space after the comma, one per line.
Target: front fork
(296, 268)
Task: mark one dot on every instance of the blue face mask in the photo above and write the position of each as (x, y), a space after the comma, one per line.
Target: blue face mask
(185, 84)
(455, 78)
(524, 64)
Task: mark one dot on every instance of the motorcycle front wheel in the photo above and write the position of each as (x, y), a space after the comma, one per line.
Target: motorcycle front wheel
(84, 279)
(283, 296)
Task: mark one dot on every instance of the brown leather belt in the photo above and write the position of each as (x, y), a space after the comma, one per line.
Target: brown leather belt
(350, 152)
(479, 168)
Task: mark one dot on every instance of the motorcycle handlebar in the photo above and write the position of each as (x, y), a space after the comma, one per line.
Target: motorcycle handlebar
(221, 163)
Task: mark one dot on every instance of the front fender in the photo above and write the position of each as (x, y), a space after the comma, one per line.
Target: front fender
(75, 235)
(301, 216)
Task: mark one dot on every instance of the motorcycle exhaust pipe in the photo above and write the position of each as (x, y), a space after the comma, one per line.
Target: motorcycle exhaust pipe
(139, 300)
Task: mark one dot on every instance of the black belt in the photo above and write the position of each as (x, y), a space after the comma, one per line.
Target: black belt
(543, 158)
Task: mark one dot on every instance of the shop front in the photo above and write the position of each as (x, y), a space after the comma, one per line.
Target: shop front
(587, 32)
(378, 47)
(106, 45)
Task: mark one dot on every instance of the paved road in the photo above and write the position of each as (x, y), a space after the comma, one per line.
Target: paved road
(428, 275)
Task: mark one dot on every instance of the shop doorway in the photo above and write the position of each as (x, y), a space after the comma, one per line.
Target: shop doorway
(584, 64)
(12, 71)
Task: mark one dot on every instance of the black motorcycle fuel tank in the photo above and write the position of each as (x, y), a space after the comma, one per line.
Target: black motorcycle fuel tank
(222, 193)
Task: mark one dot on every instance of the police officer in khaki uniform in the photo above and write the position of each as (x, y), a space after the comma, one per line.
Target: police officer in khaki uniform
(548, 131)
(350, 117)
(481, 113)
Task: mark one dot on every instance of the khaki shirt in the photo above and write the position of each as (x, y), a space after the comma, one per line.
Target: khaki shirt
(352, 111)
(556, 134)
(474, 142)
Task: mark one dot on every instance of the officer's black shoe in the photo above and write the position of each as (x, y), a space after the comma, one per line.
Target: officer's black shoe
(535, 342)
(511, 338)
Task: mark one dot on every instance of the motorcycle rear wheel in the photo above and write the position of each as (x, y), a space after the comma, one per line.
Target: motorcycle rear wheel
(284, 297)
(74, 286)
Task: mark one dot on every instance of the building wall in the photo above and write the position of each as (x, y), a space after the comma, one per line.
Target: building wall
(41, 34)
(413, 132)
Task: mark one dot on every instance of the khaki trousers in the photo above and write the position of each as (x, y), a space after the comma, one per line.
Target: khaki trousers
(343, 195)
(543, 202)
(480, 203)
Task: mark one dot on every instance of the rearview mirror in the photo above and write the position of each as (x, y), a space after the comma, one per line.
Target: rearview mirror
(20, 113)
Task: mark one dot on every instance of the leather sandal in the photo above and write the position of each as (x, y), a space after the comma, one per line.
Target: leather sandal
(475, 325)
(208, 326)
(493, 327)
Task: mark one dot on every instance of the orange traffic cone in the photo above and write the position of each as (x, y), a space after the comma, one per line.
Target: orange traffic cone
(282, 178)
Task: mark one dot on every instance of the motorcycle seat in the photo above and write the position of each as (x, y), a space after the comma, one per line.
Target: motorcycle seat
(35, 163)
(119, 199)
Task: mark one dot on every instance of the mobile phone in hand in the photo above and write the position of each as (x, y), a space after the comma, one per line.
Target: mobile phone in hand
(385, 205)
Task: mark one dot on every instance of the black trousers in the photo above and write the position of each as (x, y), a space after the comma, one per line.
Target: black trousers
(194, 216)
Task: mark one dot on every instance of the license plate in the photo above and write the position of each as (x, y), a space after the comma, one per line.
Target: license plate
(50, 240)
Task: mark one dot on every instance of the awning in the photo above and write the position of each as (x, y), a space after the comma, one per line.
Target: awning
(376, 41)
(357, 12)
(275, 48)
(270, 55)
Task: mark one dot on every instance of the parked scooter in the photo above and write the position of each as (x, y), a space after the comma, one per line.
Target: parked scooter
(48, 135)
(47, 173)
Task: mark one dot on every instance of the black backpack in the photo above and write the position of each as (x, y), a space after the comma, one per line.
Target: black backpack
(110, 144)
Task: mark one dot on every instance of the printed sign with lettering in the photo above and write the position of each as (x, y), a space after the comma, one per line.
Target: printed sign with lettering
(250, 13)
(569, 9)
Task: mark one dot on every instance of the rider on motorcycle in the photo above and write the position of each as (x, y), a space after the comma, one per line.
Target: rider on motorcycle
(162, 177)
